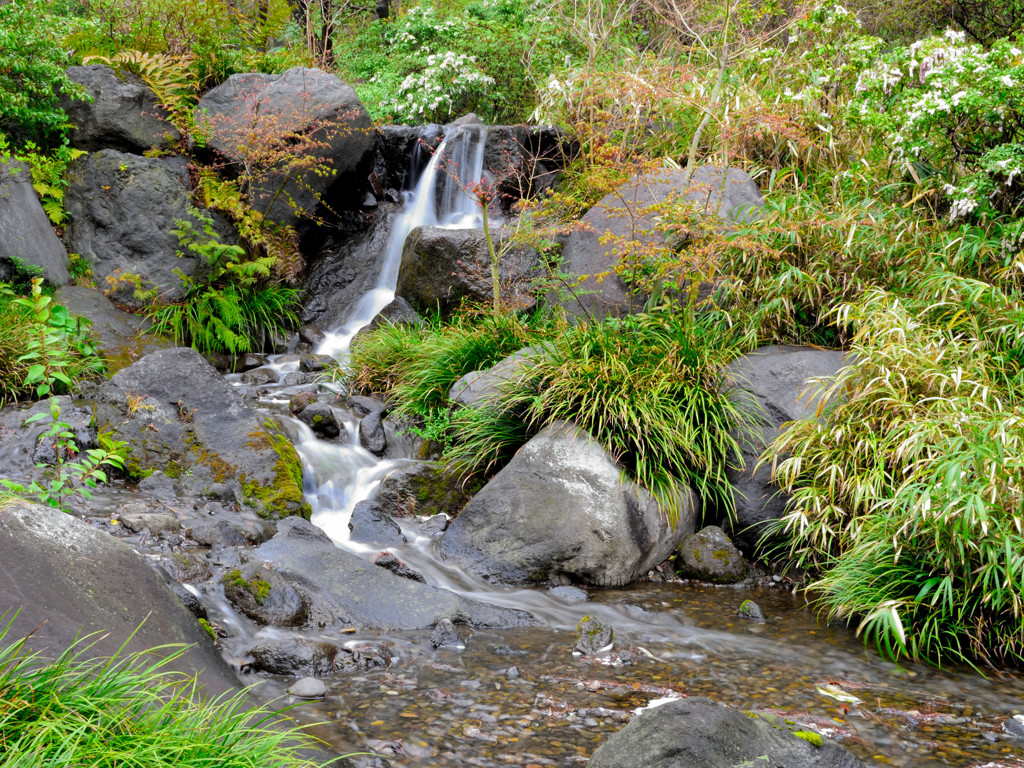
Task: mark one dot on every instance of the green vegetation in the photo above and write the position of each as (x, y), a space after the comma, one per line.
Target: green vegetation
(130, 711)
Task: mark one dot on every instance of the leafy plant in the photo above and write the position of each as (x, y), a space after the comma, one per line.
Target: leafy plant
(229, 307)
(48, 369)
(130, 710)
(48, 176)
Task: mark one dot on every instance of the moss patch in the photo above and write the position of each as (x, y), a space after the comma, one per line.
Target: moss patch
(283, 497)
(258, 587)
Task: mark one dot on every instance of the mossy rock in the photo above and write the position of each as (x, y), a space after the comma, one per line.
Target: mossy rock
(264, 596)
(708, 555)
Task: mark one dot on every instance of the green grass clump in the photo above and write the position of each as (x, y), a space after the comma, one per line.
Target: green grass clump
(129, 711)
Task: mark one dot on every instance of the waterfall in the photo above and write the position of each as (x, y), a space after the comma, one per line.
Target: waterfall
(439, 199)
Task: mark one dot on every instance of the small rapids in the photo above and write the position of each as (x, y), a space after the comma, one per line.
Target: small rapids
(520, 697)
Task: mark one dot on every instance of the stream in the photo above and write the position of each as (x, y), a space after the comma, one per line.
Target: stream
(520, 697)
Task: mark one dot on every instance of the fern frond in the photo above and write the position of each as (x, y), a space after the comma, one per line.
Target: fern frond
(169, 77)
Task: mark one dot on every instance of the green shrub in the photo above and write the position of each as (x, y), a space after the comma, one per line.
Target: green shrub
(129, 711)
(908, 492)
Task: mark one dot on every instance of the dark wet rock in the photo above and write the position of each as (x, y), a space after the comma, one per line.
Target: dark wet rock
(121, 210)
(485, 385)
(397, 312)
(365, 405)
(343, 270)
(154, 522)
(70, 580)
(569, 594)
(81, 427)
(316, 363)
(294, 656)
(299, 402)
(769, 383)
(701, 732)
(710, 556)
(260, 377)
(175, 411)
(191, 602)
(295, 378)
(308, 688)
(123, 114)
(391, 563)
(26, 236)
(120, 336)
(311, 335)
(561, 512)
(302, 101)
(625, 215)
(371, 433)
(402, 151)
(342, 588)
(422, 488)
(447, 635)
(431, 526)
(264, 596)
(247, 362)
(158, 485)
(188, 567)
(372, 525)
(593, 636)
(365, 657)
(216, 533)
(321, 419)
(443, 267)
(751, 610)
(525, 161)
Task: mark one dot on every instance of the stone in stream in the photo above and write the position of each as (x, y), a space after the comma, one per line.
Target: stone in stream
(301, 401)
(264, 596)
(294, 656)
(447, 635)
(308, 688)
(258, 377)
(370, 524)
(560, 511)
(710, 556)
(593, 636)
(316, 363)
(751, 610)
(685, 733)
(341, 588)
(422, 488)
(391, 563)
(569, 594)
(321, 419)
(1014, 727)
(371, 433)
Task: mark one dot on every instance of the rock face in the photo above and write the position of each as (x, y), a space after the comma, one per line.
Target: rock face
(70, 580)
(626, 215)
(120, 336)
(122, 209)
(484, 385)
(710, 556)
(122, 115)
(300, 101)
(443, 267)
(178, 414)
(26, 237)
(770, 384)
(525, 160)
(560, 511)
(701, 732)
(342, 588)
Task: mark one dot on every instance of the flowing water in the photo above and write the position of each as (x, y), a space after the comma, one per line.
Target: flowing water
(520, 697)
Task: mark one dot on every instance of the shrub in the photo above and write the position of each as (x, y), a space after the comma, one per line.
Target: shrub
(131, 711)
(907, 493)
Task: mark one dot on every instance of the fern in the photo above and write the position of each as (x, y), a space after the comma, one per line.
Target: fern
(169, 77)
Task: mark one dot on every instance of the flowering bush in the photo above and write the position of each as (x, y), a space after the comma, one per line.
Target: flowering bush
(955, 112)
(449, 83)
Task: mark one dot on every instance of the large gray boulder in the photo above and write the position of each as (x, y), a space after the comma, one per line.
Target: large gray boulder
(301, 101)
(26, 237)
(121, 210)
(486, 385)
(341, 588)
(443, 267)
(180, 416)
(67, 580)
(700, 732)
(629, 214)
(773, 385)
(122, 115)
(561, 511)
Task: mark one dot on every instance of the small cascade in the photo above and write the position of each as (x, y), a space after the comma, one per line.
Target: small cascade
(439, 199)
